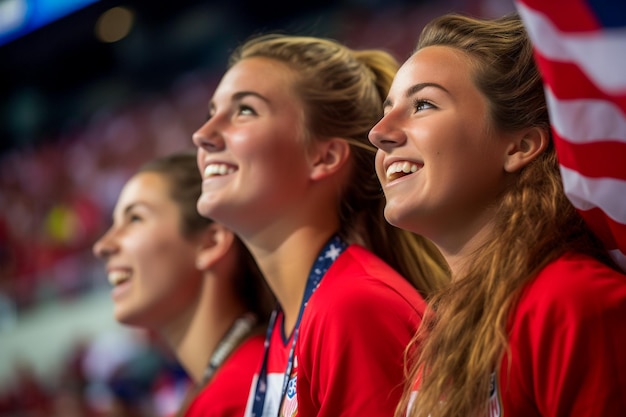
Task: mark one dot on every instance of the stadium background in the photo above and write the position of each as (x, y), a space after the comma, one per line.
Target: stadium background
(78, 114)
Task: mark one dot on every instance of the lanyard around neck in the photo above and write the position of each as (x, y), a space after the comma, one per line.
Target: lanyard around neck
(237, 332)
(331, 251)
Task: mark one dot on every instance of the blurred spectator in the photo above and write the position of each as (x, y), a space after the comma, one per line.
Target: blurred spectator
(28, 396)
(56, 192)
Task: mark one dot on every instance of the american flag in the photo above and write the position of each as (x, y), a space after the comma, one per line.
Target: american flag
(580, 47)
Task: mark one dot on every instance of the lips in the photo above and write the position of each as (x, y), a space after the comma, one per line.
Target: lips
(400, 169)
(215, 169)
(118, 277)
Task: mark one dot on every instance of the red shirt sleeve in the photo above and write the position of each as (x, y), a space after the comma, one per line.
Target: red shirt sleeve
(567, 343)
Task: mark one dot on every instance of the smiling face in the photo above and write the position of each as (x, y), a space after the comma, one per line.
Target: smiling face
(439, 161)
(251, 149)
(149, 263)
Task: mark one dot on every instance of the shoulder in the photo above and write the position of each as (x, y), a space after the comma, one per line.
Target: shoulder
(358, 278)
(241, 365)
(250, 351)
(360, 290)
(575, 285)
(227, 393)
(358, 260)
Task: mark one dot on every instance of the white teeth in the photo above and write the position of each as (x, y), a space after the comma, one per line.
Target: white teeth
(117, 277)
(404, 167)
(217, 169)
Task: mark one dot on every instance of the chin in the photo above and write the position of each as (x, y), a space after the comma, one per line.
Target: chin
(403, 220)
(204, 207)
(125, 317)
(394, 216)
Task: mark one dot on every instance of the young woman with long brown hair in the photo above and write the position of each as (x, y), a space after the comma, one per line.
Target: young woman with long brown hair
(532, 323)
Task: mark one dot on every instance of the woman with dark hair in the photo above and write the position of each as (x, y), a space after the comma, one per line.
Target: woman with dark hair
(190, 280)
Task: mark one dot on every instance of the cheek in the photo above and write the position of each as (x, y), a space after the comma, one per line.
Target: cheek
(169, 271)
(448, 146)
(162, 251)
(284, 159)
(151, 248)
(172, 254)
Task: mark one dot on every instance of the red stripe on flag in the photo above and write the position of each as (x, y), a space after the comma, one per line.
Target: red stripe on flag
(595, 159)
(567, 15)
(607, 229)
(561, 76)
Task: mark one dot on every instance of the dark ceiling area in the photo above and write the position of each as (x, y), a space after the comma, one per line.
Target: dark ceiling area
(66, 53)
(44, 74)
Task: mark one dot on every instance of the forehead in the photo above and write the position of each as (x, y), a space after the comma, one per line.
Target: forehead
(262, 75)
(144, 187)
(444, 65)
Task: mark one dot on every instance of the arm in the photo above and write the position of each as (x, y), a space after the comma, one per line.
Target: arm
(580, 49)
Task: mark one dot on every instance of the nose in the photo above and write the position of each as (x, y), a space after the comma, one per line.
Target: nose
(208, 137)
(104, 247)
(386, 134)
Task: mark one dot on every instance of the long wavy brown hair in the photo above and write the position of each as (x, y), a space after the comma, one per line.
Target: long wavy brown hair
(342, 90)
(464, 335)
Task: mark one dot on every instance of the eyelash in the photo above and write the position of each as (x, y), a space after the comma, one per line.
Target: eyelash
(240, 110)
(133, 218)
(419, 104)
(245, 108)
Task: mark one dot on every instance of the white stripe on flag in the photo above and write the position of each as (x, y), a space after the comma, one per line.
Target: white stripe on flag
(608, 194)
(589, 50)
(586, 120)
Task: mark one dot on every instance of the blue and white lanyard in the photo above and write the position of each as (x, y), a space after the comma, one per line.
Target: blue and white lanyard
(331, 251)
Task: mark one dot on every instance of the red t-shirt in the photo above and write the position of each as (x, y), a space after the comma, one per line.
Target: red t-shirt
(227, 393)
(567, 339)
(568, 344)
(349, 357)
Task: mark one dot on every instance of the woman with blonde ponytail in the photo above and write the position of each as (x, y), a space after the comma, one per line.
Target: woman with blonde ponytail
(533, 322)
(287, 164)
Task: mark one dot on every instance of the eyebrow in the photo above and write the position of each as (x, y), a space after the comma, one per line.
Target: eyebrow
(127, 209)
(133, 205)
(238, 96)
(130, 207)
(241, 94)
(414, 89)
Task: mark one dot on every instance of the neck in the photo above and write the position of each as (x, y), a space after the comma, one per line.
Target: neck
(459, 247)
(195, 335)
(286, 263)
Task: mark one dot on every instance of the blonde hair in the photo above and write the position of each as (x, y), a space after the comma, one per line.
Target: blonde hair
(342, 90)
(463, 337)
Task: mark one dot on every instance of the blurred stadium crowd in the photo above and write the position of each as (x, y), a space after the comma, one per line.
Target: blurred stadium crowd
(56, 198)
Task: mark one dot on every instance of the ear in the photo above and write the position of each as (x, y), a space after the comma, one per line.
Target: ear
(328, 157)
(524, 147)
(213, 245)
